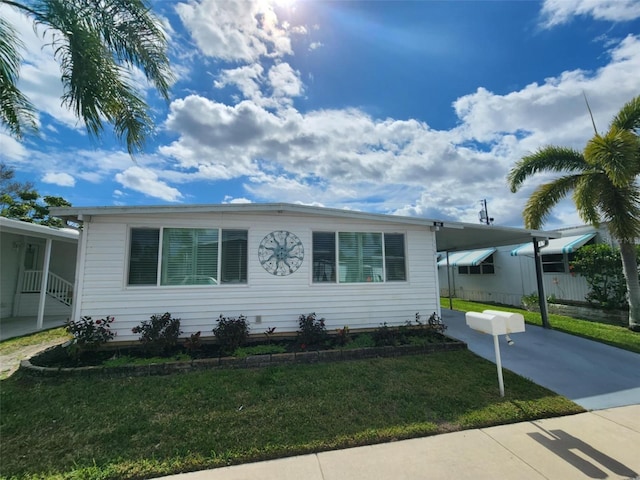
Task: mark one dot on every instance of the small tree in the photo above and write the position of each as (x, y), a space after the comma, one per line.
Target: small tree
(601, 266)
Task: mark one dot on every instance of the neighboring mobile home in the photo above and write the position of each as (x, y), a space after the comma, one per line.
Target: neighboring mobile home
(269, 262)
(32, 257)
(505, 274)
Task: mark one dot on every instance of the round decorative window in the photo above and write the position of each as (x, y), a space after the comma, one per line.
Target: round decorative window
(281, 253)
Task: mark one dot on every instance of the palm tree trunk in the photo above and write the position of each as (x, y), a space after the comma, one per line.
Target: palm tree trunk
(630, 270)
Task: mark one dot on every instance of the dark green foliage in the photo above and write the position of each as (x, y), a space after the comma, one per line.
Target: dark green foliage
(89, 334)
(159, 334)
(385, 336)
(98, 45)
(312, 331)
(601, 266)
(231, 333)
(242, 352)
(21, 202)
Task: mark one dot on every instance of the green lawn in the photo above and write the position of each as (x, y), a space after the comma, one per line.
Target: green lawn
(126, 428)
(15, 344)
(616, 336)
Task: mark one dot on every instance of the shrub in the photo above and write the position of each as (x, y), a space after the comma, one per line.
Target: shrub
(601, 266)
(231, 333)
(89, 334)
(312, 331)
(385, 336)
(159, 334)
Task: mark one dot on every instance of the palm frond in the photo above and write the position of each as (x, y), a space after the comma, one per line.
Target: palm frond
(615, 153)
(620, 207)
(587, 198)
(628, 118)
(547, 159)
(544, 198)
(17, 113)
(97, 43)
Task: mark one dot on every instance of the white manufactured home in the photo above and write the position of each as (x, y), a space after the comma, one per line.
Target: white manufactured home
(269, 262)
(505, 274)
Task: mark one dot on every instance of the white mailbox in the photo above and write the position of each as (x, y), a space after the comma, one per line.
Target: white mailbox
(514, 321)
(495, 322)
(487, 323)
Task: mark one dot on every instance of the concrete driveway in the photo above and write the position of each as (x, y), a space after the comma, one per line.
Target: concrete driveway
(594, 375)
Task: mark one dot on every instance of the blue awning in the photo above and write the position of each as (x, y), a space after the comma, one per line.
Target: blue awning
(466, 258)
(556, 245)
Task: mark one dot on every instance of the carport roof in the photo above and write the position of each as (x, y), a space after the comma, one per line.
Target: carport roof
(450, 236)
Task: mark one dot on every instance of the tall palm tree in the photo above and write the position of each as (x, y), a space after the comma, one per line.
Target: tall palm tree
(603, 180)
(96, 43)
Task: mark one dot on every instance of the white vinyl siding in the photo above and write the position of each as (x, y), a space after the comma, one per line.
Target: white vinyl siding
(266, 300)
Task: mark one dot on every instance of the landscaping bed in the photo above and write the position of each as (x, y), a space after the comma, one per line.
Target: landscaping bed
(135, 360)
(161, 350)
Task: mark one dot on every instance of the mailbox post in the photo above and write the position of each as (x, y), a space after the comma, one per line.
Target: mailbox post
(495, 323)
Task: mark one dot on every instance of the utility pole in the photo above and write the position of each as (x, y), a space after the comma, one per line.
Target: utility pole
(484, 213)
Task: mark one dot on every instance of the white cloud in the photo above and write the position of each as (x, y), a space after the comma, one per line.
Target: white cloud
(315, 45)
(285, 81)
(147, 182)
(346, 157)
(11, 148)
(61, 179)
(557, 12)
(229, 199)
(235, 30)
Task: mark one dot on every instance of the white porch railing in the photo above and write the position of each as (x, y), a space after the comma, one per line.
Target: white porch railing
(57, 287)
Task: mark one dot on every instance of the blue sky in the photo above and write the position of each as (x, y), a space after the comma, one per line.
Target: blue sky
(413, 108)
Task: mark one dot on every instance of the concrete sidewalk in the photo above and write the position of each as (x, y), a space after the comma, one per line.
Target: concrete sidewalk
(602, 444)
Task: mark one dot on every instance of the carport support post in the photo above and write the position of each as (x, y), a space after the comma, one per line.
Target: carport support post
(542, 297)
(449, 283)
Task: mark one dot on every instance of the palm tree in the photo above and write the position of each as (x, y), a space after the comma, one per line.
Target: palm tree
(97, 44)
(603, 181)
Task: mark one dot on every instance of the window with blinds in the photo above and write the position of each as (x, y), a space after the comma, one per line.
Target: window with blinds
(143, 256)
(188, 256)
(394, 257)
(361, 257)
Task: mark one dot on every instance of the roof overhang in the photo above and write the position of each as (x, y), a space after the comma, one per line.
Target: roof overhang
(450, 236)
(558, 245)
(19, 227)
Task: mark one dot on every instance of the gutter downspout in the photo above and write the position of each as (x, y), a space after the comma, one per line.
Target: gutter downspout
(542, 297)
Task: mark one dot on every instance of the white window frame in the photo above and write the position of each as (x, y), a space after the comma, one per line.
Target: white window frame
(336, 266)
(158, 283)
